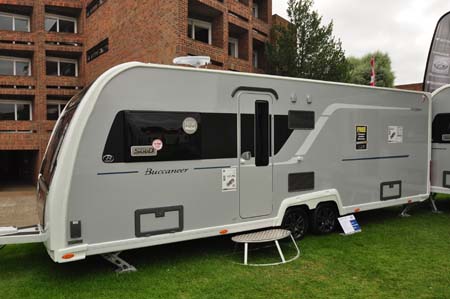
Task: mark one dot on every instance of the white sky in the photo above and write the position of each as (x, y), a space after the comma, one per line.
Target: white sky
(402, 28)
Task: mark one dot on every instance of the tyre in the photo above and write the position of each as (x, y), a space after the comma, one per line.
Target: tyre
(297, 221)
(324, 219)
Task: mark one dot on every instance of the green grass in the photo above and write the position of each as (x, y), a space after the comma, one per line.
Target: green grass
(392, 258)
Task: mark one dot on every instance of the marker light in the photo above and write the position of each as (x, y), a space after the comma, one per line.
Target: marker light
(68, 256)
(224, 232)
(357, 210)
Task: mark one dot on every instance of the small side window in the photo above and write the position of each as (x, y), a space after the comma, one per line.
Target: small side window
(301, 120)
(441, 128)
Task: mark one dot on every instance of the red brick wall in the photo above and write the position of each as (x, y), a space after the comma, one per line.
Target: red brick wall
(145, 30)
(412, 86)
(40, 128)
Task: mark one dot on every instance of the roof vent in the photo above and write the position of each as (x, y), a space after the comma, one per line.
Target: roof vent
(195, 61)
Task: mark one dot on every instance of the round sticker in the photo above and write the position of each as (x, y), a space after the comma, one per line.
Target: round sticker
(157, 144)
(190, 125)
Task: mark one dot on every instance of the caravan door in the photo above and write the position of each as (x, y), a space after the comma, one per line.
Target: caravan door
(254, 151)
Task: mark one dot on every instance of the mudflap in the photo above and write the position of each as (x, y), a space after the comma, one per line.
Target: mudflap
(21, 235)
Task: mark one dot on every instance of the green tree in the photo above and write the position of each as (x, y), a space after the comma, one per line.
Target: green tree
(305, 48)
(360, 70)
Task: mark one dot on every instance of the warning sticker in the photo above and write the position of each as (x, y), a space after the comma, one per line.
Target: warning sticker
(361, 137)
(229, 182)
(395, 134)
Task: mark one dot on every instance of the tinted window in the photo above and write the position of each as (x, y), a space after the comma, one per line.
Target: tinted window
(248, 134)
(218, 134)
(6, 22)
(215, 137)
(7, 112)
(67, 69)
(301, 120)
(50, 159)
(441, 128)
(6, 67)
(281, 132)
(142, 129)
(51, 25)
(66, 26)
(262, 141)
(52, 68)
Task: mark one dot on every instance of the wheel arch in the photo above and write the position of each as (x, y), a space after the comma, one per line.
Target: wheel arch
(309, 201)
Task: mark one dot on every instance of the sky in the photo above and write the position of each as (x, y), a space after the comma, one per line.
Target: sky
(402, 28)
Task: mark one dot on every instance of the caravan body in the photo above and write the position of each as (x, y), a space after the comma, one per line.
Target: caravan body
(440, 170)
(437, 80)
(153, 154)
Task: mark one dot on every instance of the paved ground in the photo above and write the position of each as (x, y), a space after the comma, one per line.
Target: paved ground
(18, 206)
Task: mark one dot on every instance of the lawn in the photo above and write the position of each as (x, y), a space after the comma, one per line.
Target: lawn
(392, 258)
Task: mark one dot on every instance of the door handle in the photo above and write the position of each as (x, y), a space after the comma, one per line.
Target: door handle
(246, 156)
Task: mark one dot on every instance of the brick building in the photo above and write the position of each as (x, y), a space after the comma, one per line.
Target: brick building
(412, 86)
(50, 49)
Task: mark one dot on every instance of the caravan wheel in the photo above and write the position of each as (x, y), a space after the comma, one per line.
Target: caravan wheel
(296, 220)
(324, 218)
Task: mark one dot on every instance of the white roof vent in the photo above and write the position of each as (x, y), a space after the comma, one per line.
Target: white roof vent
(196, 61)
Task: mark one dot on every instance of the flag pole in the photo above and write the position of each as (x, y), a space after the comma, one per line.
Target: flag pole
(372, 74)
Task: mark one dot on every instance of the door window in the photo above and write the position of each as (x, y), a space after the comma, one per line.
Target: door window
(262, 131)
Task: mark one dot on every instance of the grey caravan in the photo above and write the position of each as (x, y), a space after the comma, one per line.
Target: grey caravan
(152, 154)
(440, 170)
(436, 80)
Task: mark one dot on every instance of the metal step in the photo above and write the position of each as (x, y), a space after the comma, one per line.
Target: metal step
(21, 235)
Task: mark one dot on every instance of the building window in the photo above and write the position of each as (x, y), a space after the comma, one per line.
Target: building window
(100, 49)
(200, 30)
(233, 47)
(55, 108)
(14, 22)
(255, 10)
(15, 110)
(56, 23)
(61, 67)
(255, 60)
(13, 66)
(93, 6)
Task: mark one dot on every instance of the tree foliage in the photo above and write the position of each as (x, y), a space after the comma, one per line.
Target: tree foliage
(305, 48)
(360, 70)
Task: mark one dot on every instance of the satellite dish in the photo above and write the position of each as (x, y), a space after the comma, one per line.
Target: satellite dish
(196, 61)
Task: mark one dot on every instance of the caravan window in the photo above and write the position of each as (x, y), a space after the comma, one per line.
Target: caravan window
(262, 133)
(143, 128)
(441, 128)
(180, 136)
(214, 138)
